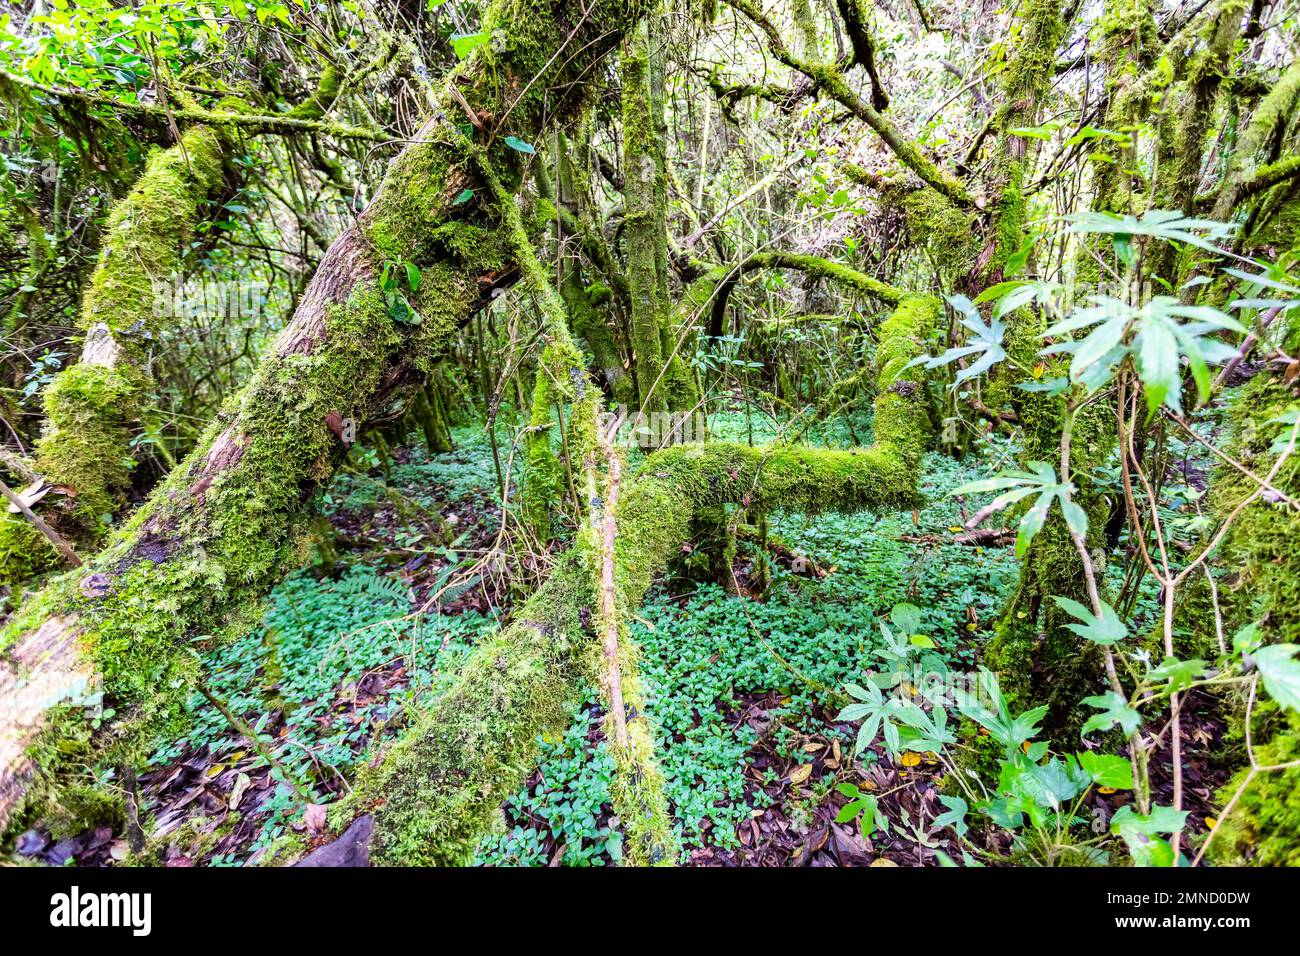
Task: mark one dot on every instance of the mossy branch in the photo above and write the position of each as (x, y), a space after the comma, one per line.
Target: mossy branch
(830, 79)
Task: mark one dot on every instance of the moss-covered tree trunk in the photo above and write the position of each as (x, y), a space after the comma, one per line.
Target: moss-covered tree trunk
(198, 556)
(91, 406)
(1037, 659)
(586, 303)
(1262, 562)
(664, 379)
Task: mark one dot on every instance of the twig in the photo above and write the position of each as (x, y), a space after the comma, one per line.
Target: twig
(56, 539)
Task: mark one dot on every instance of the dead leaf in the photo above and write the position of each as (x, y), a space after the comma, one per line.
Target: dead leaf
(242, 783)
(315, 817)
(33, 493)
(800, 773)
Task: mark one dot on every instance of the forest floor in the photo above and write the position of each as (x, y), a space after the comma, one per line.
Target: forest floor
(744, 689)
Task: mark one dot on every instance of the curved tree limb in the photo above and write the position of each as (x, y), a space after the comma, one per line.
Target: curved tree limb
(439, 788)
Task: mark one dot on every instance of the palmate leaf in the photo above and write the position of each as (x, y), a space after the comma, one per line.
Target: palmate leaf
(1114, 710)
(984, 340)
(1015, 486)
(1107, 770)
(1166, 224)
(1014, 293)
(1107, 629)
(954, 817)
(1011, 732)
(1267, 280)
(1177, 674)
(1158, 336)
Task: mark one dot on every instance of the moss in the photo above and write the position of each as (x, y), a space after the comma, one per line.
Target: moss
(902, 418)
(91, 406)
(439, 789)
(196, 558)
(327, 91)
(1263, 829)
(145, 235)
(1273, 113)
(85, 450)
(637, 792)
(1261, 572)
(1259, 548)
(644, 220)
(945, 230)
(543, 480)
(24, 551)
(584, 304)
(1263, 581)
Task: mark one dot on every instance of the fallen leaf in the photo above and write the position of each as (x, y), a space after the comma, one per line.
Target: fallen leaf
(33, 493)
(242, 783)
(800, 774)
(315, 817)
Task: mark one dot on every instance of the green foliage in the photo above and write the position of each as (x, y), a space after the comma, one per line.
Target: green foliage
(1039, 480)
(318, 639)
(570, 800)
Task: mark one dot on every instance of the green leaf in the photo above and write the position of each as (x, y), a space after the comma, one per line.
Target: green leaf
(1107, 770)
(463, 44)
(955, 816)
(413, 276)
(855, 712)
(1157, 362)
(1114, 710)
(1280, 670)
(985, 340)
(1031, 522)
(906, 617)
(1159, 820)
(1108, 629)
(519, 145)
(850, 811)
(1178, 674)
(463, 197)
